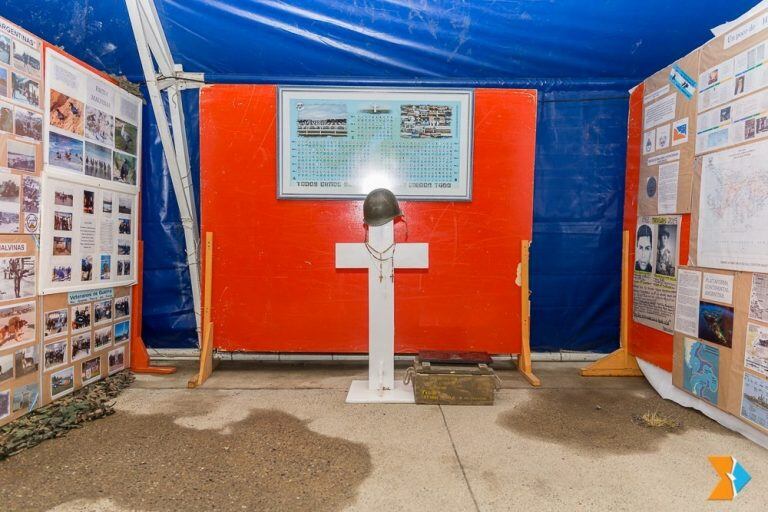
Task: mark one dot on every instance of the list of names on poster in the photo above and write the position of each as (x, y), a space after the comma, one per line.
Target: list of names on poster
(340, 143)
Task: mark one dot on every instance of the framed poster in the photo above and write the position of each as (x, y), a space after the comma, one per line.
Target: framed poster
(89, 237)
(91, 179)
(342, 142)
(92, 126)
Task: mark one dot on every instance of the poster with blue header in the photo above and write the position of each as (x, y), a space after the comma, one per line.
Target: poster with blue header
(345, 142)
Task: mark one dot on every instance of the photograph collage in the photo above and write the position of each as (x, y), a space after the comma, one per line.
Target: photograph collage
(19, 333)
(92, 125)
(21, 130)
(88, 237)
(85, 338)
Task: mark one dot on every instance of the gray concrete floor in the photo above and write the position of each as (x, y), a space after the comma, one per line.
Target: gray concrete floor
(570, 445)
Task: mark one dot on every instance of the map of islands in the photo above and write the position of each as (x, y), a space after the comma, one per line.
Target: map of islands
(701, 369)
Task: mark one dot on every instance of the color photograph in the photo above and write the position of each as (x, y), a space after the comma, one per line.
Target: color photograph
(6, 367)
(4, 83)
(123, 267)
(26, 59)
(26, 397)
(716, 323)
(62, 382)
(321, 120)
(63, 198)
(30, 194)
(62, 246)
(65, 152)
(425, 121)
(122, 331)
(106, 204)
(17, 277)
(124, 169)
(99, 126)
(105, 267)
(61, 273)
(28, 124)
(98, 161)
(21, 156)
(66, 113)
(9, 192)
(81, 346)
(9, 222)
(126, 136)
(17, 324)
(90, 370)
(26, 361)
(6, 113)
(86, 268)
(122, 306)
(80, 316)
(116, 360)
(124, 227)
(62, 221)
(102, 338)
(25, 90)
(124, 204)
(55, 354)
(102, 311)
(88, 201)
(5, 50)
(56, 323)
(5, 403)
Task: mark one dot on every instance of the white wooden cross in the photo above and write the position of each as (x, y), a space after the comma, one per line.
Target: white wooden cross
(381, 386)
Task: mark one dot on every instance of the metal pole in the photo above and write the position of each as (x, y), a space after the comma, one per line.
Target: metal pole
(144, 18)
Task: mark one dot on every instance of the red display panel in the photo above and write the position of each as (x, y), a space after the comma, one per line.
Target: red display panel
(649, 344)
(275, 287)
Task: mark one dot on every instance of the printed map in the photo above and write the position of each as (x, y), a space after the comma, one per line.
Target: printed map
(701, 370)
(733, 216)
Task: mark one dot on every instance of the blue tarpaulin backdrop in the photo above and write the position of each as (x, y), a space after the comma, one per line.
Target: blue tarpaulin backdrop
(581, 56)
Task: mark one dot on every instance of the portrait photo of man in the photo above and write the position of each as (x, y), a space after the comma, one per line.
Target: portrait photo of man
(644, 249)
(665, 253)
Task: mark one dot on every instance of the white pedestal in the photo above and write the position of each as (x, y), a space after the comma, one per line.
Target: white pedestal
(360, 393)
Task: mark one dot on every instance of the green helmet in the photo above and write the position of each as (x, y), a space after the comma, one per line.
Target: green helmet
(380, 206)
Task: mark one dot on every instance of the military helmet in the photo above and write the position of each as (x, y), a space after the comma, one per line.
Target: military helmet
(380, 206)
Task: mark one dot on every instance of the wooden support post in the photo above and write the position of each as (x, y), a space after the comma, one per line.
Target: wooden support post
(206, 348)
(140, 361)
(619, 363)
(524, 359)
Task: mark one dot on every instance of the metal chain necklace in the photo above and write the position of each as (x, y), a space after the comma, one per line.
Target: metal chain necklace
(381, 257)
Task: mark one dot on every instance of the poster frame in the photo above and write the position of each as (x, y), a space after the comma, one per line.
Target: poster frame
(465, 133)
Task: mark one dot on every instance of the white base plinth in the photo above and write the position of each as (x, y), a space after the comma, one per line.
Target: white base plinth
(360, 394)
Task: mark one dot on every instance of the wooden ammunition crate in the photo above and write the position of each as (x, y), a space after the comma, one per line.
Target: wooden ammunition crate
(453, 384)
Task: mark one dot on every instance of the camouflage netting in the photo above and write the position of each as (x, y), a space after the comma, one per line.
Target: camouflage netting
(87, 404)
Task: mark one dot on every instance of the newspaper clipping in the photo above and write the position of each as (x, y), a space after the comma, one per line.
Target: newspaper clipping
(655, 271)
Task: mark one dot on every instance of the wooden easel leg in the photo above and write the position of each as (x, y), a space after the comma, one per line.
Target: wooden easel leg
(619, 363)
(140, 362)
(206, 347)
(524, 359)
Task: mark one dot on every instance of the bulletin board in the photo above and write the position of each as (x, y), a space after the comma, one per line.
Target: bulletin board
(91, 179)
(85, 338)
(275, 285)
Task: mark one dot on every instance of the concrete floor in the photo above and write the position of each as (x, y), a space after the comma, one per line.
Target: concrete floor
(570, 445)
